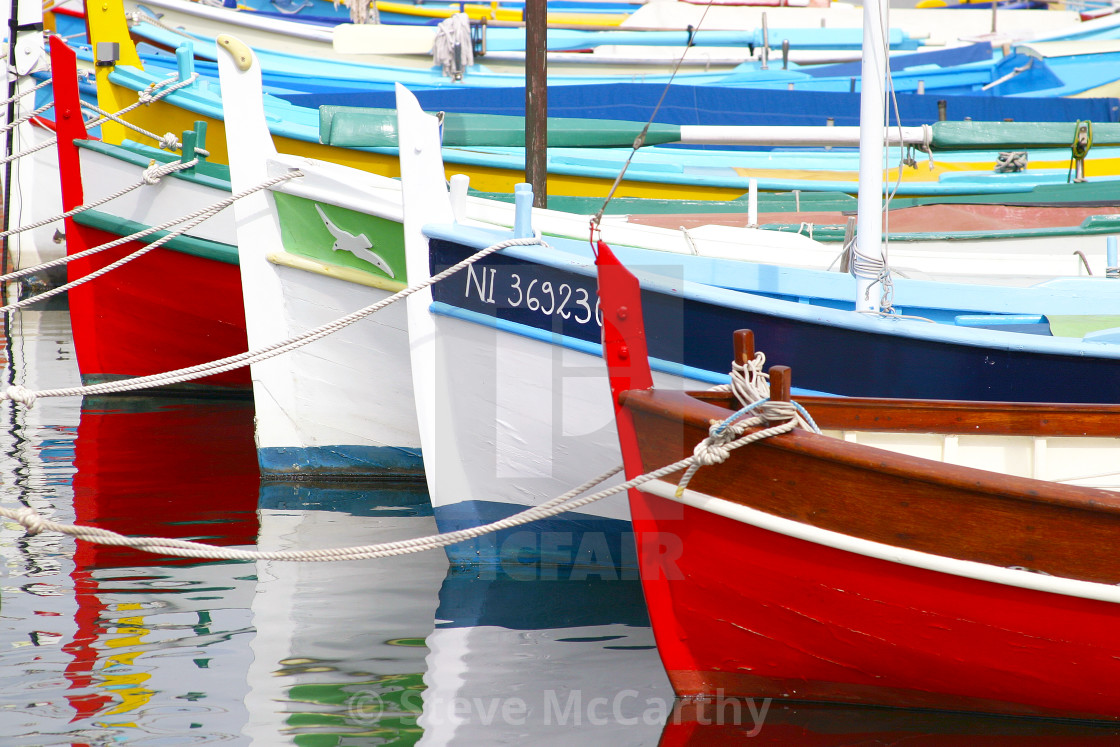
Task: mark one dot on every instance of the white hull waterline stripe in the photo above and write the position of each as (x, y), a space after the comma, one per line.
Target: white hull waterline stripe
(867, 548)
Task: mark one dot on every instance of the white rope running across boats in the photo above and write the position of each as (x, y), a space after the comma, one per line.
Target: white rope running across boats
(20, 95)
(28, 397)
(188, 222)
(780, 413)
(152, 175)
(34, 149)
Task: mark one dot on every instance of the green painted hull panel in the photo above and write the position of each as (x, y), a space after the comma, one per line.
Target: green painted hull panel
(357, 127)
(305, 233)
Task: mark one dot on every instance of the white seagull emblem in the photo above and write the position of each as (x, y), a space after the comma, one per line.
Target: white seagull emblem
(358, 245)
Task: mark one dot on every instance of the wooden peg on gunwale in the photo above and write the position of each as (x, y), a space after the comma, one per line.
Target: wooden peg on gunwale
(744, 345)
(780, 383)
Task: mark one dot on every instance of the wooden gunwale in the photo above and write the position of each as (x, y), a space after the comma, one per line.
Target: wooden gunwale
(952, 416)
(894, 499)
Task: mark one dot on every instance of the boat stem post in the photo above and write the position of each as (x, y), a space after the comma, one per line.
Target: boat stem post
(744, 345)
(184, 60)
(458, 191)
(869, 199)
(780, 383)
(522, 210)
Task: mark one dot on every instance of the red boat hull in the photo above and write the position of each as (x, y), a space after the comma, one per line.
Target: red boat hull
(743, 611)
(164, 311)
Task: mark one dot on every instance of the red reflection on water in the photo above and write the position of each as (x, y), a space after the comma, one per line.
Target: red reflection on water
(763, 723)
(154, 467)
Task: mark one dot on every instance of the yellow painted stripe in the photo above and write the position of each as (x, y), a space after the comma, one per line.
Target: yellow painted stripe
(497, 13)
(349, 274)
(923, 174)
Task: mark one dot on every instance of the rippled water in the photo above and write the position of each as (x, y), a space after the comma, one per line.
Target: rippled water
(108, 646)
(103, 645)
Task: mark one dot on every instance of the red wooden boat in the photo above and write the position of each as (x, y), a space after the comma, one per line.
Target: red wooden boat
(809, 568)
(166, 310)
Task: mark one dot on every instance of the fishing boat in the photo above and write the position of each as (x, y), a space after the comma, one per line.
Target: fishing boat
(168, 22)
(25, 199)
(514, 332)
(847, 588)
(322, 246)
(653, 172)
(1009, 25)
(313, 279)
(561, 12)
(171, 308)
(663, 171)
(699, 104)
(1049, 65)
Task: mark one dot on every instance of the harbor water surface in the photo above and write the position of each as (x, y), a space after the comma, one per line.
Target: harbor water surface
(112, 646)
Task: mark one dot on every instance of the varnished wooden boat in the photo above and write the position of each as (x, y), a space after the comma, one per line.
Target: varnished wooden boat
(809, 568)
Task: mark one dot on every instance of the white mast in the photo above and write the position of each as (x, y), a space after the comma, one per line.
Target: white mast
(867, 254)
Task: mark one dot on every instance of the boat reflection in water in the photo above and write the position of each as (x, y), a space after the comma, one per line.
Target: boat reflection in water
(409, 650)
(158, 647)
(545, 655)
(339, 646)
(761, 723)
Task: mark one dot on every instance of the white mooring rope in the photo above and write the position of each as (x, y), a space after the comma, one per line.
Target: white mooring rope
(179, 376)
(711, 450)
(157, 91)
(188, 222)
(151, 176)
(18, 96)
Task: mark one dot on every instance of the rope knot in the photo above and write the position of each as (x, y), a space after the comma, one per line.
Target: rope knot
(153, 173)
(713, 449)
(21, 394)
(30, 520)
(169, 141)
(1010, 162)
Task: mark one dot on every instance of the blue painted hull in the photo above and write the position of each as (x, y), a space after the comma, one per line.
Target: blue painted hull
(830, 350)
(708, 105)
(596, 544)
(547, 298)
